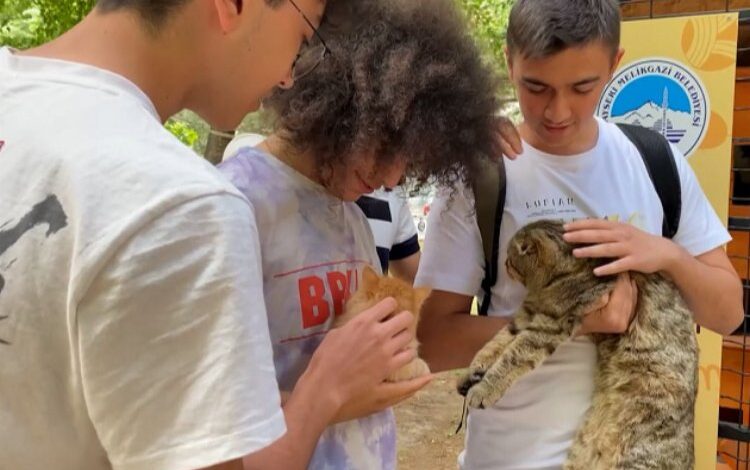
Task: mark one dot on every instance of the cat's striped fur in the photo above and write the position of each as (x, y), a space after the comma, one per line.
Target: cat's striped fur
(642, 411)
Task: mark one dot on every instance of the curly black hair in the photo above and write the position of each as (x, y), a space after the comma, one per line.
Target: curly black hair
(404, 80)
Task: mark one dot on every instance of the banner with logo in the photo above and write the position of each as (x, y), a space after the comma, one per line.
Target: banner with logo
(677, 77)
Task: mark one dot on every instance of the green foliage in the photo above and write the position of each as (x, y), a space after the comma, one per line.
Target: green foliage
(181, 129)
(28, 23)
(258, 123)
(489, 23)
(193, 131)
(59, 16)
(20, 29)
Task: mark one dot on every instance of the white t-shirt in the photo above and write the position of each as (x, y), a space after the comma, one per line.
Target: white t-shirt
(247, 139)
(313, 247)
(133, 329)
(533, 425)
(392, 224)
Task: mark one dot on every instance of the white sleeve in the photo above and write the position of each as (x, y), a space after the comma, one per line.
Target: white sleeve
(407, 229)
(405, 240)
(452, 258)
(700, 229)
(173, 343)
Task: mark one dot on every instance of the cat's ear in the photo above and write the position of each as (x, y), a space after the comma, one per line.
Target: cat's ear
(369, 276)
(528, 246)
(420, 295)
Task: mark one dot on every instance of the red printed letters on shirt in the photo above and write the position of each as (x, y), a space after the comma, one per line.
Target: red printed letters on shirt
(319, 296)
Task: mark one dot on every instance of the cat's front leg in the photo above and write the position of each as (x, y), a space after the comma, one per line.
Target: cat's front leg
(485, 358)
(529, 349)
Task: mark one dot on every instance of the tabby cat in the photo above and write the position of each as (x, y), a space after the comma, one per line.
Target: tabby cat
(375, 288)
(642, 410)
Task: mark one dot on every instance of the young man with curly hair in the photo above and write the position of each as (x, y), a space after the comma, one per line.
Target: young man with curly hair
(576, 167)
(133, 332)
(401, 91)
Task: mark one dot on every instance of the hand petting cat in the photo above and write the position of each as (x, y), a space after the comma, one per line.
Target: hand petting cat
(631, 248)
(708, 281)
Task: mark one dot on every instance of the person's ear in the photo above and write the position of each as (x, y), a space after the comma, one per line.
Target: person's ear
(509, 62)
(228, 13)
(616, 60)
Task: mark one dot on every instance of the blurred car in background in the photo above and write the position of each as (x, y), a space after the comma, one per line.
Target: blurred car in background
(419, 206)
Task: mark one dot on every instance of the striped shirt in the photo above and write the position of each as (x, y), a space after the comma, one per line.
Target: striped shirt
(392, 225)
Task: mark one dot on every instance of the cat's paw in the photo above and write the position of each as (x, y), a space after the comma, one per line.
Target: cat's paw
(420, 367)
(412, 370)
(469, 379)
(480, 396)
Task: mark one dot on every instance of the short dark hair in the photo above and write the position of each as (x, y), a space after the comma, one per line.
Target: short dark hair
(404, 79)
(153, 12)
(541, 28)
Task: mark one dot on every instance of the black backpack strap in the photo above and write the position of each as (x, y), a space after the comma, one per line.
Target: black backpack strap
(659, 160)
(489, 202)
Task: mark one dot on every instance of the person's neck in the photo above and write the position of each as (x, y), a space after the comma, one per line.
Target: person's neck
(584, 141)
(304, 164)
(119, 43)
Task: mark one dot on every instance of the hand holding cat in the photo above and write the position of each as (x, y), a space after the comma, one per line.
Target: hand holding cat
(632, 249)
(382, 396)
(353, 361)
(614, 311)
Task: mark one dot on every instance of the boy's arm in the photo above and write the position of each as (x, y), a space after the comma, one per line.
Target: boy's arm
(449, 335)
(405, 268)
(711, 287)
(405, 251)
(708, 282)
(350, 362)
(694, 258)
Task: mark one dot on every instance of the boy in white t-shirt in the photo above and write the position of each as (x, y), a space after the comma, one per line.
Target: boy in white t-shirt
(403, 91)
(560, 55)
(133, 332)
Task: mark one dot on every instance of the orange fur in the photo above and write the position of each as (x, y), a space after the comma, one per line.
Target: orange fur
(373, 289)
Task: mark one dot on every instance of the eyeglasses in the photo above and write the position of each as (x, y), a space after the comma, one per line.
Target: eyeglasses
(311, 55)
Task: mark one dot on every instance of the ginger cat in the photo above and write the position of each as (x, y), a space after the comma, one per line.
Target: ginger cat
(372, 290)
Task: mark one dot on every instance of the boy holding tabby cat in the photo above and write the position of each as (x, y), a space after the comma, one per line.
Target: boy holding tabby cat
(401, 90)
(575, 167)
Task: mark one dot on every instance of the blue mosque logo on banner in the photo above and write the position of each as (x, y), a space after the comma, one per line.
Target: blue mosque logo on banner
(662, 95)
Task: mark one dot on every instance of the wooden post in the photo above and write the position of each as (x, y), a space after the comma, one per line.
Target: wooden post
(217, 142)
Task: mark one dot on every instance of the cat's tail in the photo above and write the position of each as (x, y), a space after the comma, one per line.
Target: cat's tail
(464, 412)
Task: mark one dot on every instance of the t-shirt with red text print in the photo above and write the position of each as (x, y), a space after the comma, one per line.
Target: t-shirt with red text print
(313, 249)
